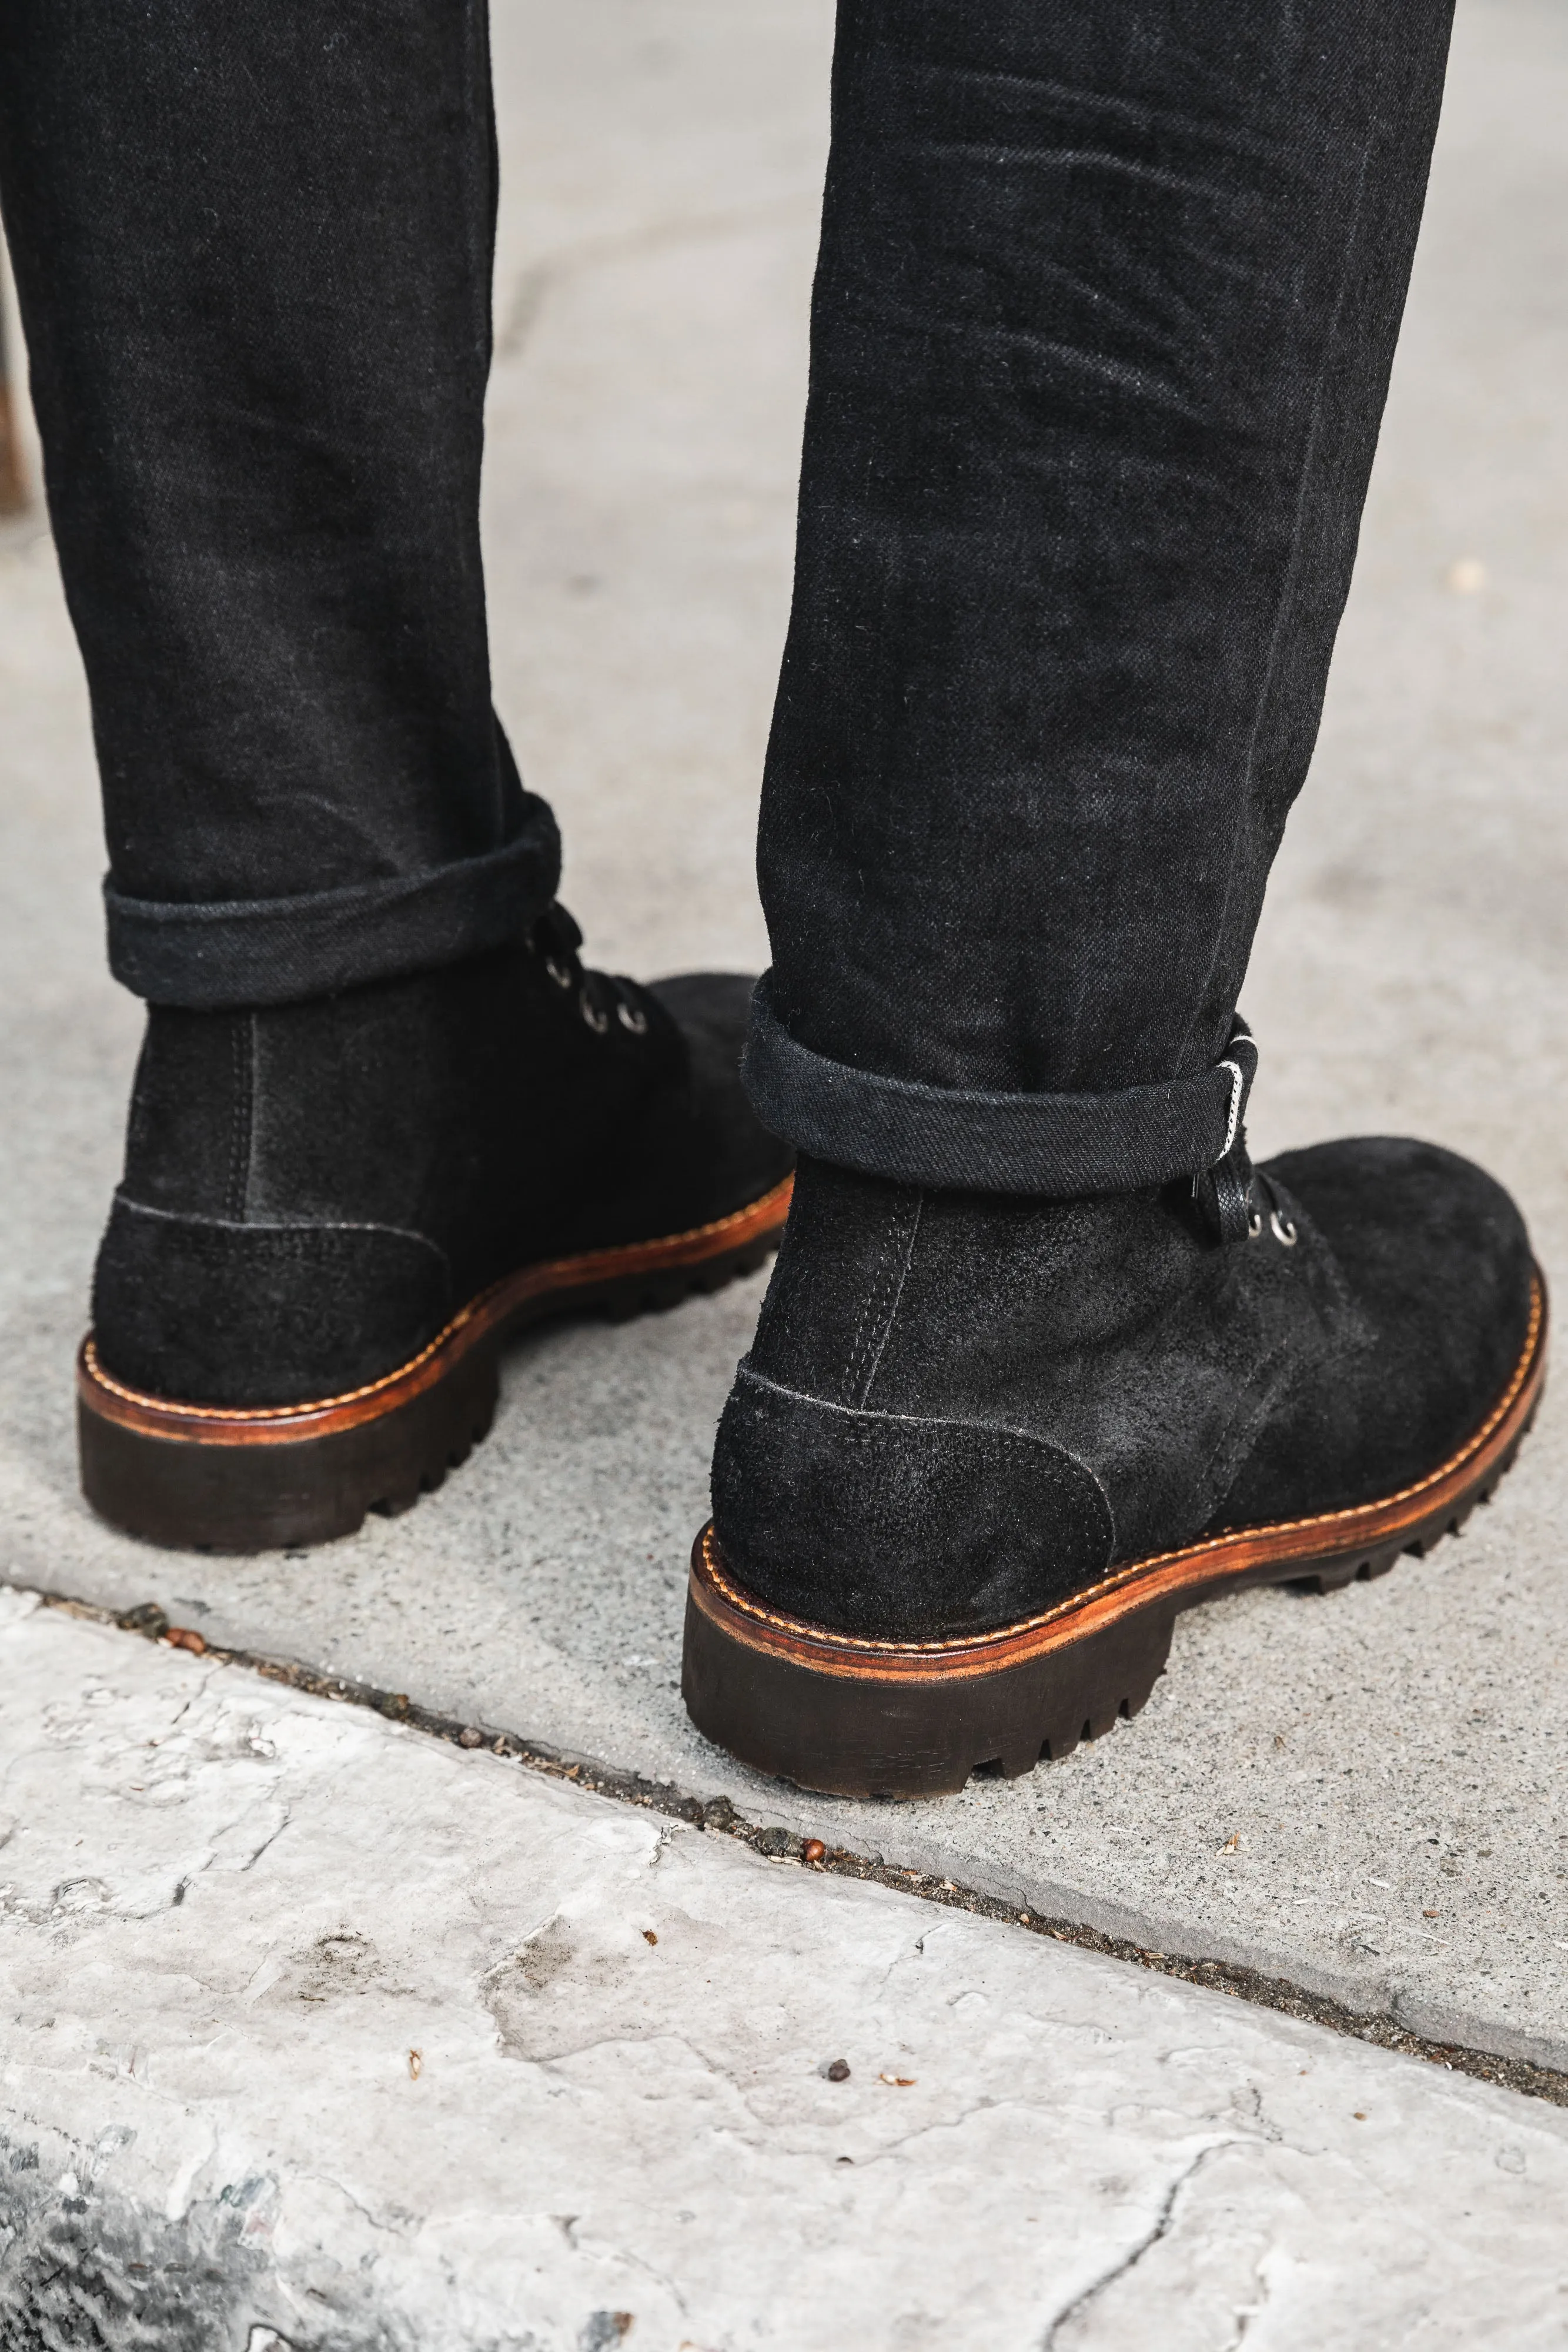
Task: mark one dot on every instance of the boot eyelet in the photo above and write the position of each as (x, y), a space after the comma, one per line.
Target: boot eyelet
(597, 1022)
(632, 1018)
(1283, 1229)
(558, 973)
(1254, 1225)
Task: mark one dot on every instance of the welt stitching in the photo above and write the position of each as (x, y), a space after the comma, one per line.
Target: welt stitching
(1116, 1578)
(448, 1331)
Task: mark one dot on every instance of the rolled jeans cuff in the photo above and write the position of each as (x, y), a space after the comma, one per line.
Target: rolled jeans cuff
(952, 1138)
(232, 953)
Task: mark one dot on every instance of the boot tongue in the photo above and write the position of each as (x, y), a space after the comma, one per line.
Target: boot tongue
(556, 932)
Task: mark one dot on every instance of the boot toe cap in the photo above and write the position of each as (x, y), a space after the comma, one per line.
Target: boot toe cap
(1437, 1265)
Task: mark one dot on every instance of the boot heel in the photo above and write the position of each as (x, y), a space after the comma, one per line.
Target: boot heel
(201, 1479)
(237, 1478)
(856, 1718)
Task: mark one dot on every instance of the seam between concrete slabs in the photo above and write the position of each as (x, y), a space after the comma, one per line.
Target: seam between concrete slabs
(720, 1815)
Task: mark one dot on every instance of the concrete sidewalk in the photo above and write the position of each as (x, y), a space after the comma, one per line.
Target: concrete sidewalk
(1359, 1795)
(321, 2034)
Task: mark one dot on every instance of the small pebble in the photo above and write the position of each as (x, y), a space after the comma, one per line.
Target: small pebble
(837, 2070)
(146, 1618)
(649, 1937)
(470, 1738)
(181, 1637)
(814, 1851)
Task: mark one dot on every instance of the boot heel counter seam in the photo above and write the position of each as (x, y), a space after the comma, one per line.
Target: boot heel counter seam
(279, 1227)
(887, 1524)
(216, 1312)
(881, 1307)
(1060, 1460)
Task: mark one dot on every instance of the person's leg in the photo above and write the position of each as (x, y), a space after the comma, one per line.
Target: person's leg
(253, 247)
(1102, 327)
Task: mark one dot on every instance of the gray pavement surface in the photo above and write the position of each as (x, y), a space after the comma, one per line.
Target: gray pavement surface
(1363, 1794)
(318, 2033)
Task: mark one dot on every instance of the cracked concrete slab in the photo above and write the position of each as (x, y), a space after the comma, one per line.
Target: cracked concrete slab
(1362, 1795)
(319, 2033)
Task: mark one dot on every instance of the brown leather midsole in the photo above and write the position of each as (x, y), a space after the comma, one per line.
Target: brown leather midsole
(482, 1318)
(1198, 1571)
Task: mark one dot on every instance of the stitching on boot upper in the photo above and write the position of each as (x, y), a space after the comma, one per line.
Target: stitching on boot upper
(1129, 1571)
(466, 1313)
(298, 1230)
(891, 1267)
(1053, 1460)
(879, 1349)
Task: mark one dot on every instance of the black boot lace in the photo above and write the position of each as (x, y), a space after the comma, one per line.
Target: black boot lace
(1236, 1200)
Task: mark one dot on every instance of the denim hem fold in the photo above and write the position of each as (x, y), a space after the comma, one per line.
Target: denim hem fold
(952, 1138)
(232, 953)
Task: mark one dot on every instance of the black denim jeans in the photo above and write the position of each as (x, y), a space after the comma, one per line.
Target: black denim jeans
(253, 243)
(1103, 319)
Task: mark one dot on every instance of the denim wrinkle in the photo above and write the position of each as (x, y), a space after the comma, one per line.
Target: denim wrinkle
(1103, 316)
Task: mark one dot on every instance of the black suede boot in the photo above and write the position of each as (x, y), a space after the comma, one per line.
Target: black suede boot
(983, 1449)
(334, 1212)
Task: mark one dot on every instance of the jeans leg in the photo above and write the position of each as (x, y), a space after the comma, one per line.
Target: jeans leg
(1103, 319)
(253, 243)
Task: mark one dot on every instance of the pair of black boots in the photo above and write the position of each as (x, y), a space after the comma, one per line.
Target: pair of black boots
(983, 1448)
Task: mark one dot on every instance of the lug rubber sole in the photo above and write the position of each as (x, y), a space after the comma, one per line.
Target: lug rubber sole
(238, 1479)
(867, 1719)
